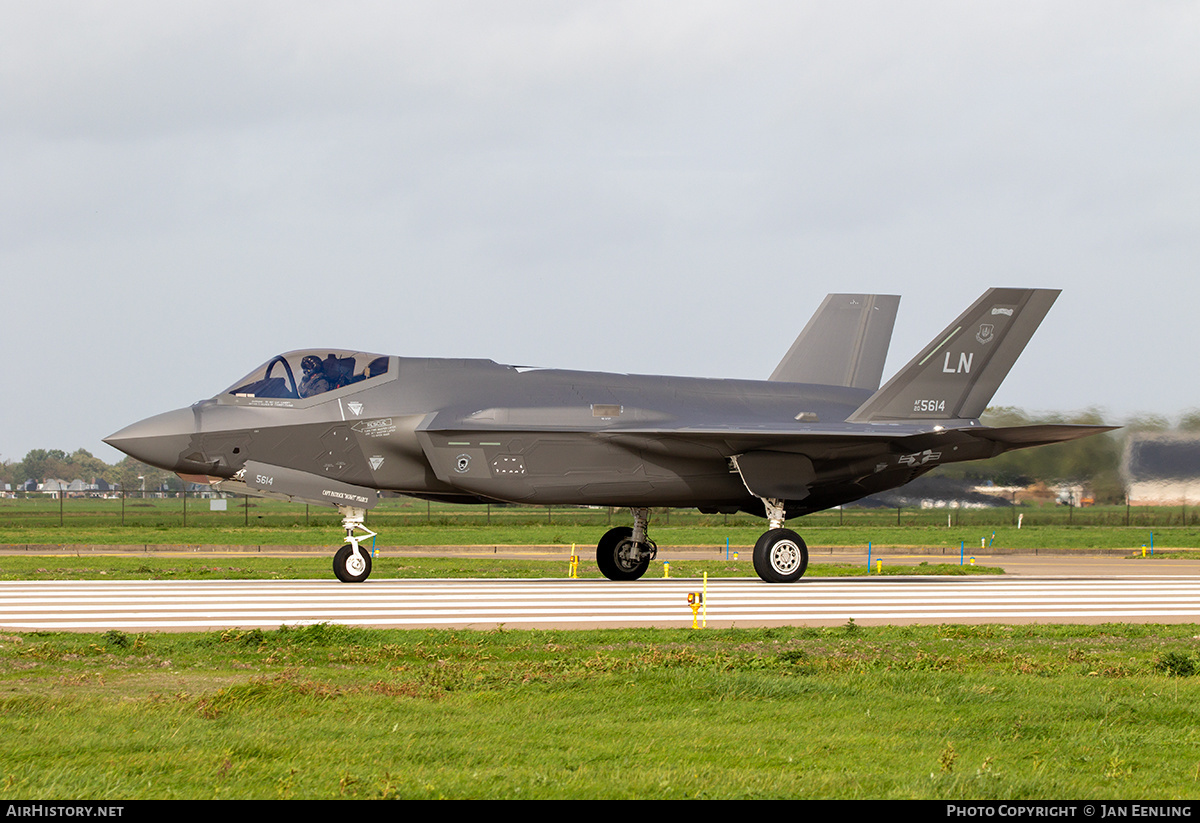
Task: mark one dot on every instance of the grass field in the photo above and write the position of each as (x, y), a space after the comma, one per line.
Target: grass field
(402, 522)
(100, 567)
(942, 712)
(393, 512)
(742, 538)
(949, 712)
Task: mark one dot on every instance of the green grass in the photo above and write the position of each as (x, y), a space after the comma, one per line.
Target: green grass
(945, 712)
(407, 522)
(584, 536)
(147, 567)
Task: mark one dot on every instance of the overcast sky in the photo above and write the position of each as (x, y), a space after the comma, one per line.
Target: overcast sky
(188, 188)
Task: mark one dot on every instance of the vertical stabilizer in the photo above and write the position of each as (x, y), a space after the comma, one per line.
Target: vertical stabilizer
(844, 344)
(955, 376)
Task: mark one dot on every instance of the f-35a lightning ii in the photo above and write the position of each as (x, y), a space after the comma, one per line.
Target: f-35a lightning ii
(337, 427)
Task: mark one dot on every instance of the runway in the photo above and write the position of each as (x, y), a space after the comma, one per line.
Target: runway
(486, 604)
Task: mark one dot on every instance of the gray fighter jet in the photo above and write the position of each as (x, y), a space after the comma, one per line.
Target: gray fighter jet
(336, 428)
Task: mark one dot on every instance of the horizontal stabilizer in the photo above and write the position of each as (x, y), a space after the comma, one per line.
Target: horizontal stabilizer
(956, 375)
(1024, 437)
(845, 343)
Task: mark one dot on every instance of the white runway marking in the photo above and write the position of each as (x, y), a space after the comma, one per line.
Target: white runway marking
(202, 605)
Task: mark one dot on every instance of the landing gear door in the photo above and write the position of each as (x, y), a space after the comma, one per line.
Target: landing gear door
(777, 475)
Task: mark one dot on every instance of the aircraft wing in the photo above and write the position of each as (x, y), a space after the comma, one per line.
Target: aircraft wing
(792, 466)
(850, 439)
(775, 462)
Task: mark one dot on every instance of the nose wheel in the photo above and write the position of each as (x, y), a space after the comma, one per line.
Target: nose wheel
(352, 563)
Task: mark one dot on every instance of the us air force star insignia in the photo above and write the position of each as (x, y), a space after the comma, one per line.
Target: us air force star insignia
(985, 333)
(462, 463)
(919, 458)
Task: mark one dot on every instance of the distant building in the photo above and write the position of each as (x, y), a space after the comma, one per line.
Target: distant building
(54, 488)
(76, 488)
(1162, 469)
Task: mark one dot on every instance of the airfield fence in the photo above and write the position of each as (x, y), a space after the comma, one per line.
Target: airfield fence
(197, 510)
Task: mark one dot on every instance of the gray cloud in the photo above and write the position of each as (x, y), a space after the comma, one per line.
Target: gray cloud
(192, 187)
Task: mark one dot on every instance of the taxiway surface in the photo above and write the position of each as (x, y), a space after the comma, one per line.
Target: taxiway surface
(560, 603)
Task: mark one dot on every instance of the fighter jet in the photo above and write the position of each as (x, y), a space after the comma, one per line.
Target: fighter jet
(337, 428)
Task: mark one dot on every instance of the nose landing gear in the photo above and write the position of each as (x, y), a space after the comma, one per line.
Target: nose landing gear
(352, 563)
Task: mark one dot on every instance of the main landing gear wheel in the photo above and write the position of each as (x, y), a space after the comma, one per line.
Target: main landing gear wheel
(351, 566)
(780, 556)
(618, 557)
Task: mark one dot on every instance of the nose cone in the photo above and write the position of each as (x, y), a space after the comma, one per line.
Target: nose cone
(161, 440)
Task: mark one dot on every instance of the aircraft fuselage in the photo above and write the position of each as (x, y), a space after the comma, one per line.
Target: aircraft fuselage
(544, 436)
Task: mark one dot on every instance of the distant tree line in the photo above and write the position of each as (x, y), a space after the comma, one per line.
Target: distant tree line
(56, 464)
(1095, 460)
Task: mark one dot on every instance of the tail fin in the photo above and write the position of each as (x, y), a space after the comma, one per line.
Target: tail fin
(844, 344)
(956, 375)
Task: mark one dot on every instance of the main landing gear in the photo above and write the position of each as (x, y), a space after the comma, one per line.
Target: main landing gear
(624, 553)
(780, 555)
(352, 563)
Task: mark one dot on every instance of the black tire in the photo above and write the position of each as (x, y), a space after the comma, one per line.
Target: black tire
(612, 555)
(348, 567)
(780, 556)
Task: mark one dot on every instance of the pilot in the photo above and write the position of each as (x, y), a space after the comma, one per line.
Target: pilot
(314, 380)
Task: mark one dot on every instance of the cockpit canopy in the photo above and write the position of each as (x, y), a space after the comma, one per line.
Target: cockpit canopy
(302, 374)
